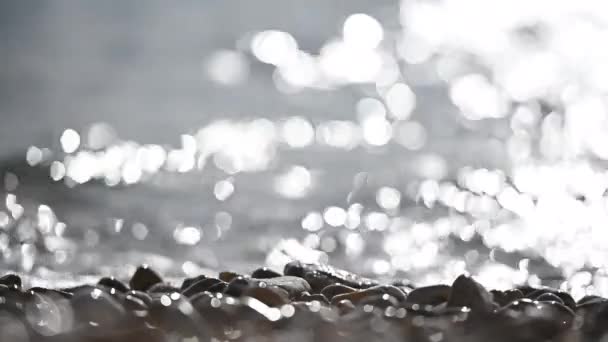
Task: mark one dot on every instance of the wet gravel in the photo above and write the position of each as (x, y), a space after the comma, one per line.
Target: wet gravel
(306, 302)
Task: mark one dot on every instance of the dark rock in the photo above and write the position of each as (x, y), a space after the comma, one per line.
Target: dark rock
(175, 314)
(162, 288)
(93, 306)
(467, 292)
(373, 292)
(294, 286)
(429, 295)
(237, 285)
(219, 287)
(590, 299)
(502, 298)
(189, 281)
(530, 320)
(565, 297)
(143, 278)
(320, 276)
(144, 297)
(113, 283)
(549, 297)
(306, 297)
(12, 281)
(228, 276)
(265, 273)
(50, 292)
(336, 289)
(201, 286)
(48, 314)
(271, 296)
(344, 306)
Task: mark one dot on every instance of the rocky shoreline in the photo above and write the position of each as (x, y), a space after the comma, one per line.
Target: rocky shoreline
(308, 302)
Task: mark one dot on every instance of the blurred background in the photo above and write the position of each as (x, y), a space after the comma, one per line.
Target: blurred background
(400, 139)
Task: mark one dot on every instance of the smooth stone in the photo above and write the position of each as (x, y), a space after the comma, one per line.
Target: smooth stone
(143, 278)
(373, 292)
(12, 281)
(502, 298)
(590, 299)
(336, 289)
(271, 296)
(429, 295)
(344, 306)
(307, 297)
(467, 292)
(176, 314)
(49, 292)
(143, 296)
(237, 285)
(549, 297)
(190, 281)
(48, 314)
(228, 276)
(113, 283)
(294, 286)
(538, 320)
(219, 287)
(93, 306)
(135, 304)
(593, 315)
(566, 298)
(162, 288)
(200, 286)
(526, 290)
(265, 273)
(320, 276)
(381, 301)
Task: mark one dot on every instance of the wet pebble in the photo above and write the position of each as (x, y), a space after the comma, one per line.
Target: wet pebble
(228, 276)
(11, 280)
(190, 281)
(502, 298)
(429, 295)
(320, 276)
(564, 296)
(336, 289)
(265, 273)
(143, 278)
(113, 283)
(201, 286)
(95, 308)
(466, 292)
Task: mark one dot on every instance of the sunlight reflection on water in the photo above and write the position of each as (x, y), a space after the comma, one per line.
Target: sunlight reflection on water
(531, 79)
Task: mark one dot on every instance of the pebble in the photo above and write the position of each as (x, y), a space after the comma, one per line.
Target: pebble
(466, 292)
(201, 286)
(190, 281)
(565, 297)
(336, 289)
(320, 276)
(429, 295)
(12, 281)
(143, 278)
(310, 303)
(94, 307)
(162, 288)
(502, 298)
(228, 276)
(537, 320)
(265, 273)
(271, 296)
(113, 283)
